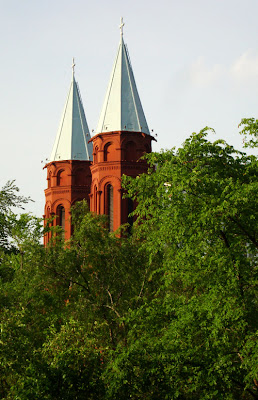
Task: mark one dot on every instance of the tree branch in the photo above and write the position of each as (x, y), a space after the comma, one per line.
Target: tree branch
(67, 278)
(251, 237)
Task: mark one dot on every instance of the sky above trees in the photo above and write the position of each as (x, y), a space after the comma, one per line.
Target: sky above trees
(195, 64)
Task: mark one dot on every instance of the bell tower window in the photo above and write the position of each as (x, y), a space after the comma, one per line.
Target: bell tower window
(110, 207)
(95, 199)
(106, 152)
(61, 216)
(60, 178)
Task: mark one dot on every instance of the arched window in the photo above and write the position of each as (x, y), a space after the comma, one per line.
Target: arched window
(106, 152)
(60, 212)
(60, 178)
(95, 199)
(111, 153)
(110, 207)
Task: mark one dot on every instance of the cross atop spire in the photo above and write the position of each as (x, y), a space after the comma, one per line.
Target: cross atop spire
(73, 65)
(122, 109)
(73, 134)
(121, 27)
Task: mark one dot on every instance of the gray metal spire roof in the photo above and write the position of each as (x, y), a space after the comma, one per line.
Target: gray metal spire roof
(72, 138)
(122, 109)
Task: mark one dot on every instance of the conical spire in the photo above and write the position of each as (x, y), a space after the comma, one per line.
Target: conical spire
(122, 109)
(72, 138)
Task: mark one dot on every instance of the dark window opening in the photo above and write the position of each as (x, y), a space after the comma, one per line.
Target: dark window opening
(59, 178)
(110, 207)
(106, 152)
(95, 199)
(61, 217)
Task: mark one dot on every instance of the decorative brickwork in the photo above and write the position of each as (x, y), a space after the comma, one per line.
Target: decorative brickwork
(68, 182)
(116, 154)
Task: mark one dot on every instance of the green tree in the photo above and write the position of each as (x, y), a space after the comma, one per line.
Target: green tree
(103, 273)
(9, 199)
(197, 338)
(250, 131)
(170, 312)
(21, 313)
(65, 310)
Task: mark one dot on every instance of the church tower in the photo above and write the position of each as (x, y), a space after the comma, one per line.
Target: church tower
(121, 138)
(68, 169)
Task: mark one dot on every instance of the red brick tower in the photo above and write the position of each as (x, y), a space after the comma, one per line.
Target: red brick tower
(122, 138)
(68, 171)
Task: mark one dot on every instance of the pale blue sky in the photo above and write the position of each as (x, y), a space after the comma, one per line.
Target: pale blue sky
(195, 64)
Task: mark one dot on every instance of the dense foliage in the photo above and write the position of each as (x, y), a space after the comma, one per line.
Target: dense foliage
(169, 312)
(9, 198)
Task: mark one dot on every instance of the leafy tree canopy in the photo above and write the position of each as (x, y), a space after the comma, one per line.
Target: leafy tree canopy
(250, 131)
(198, 337)
(170, 312)
(9, 199)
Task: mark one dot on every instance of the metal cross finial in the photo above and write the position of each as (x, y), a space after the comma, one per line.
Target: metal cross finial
(73, 65)
(121, 26)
